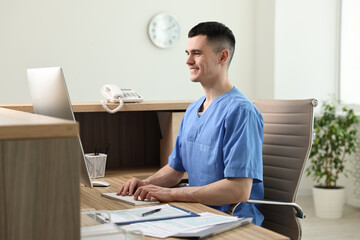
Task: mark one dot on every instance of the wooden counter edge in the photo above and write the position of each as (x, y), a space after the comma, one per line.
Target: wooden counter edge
(22, 125)
(97, 107)
(39, 132)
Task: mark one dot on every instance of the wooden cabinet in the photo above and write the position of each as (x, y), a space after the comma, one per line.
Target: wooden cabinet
(39, 172)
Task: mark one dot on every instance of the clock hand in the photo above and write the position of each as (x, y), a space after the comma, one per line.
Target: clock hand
(172, 26)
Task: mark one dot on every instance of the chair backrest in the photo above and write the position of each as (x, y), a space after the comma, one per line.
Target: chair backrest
(288, 131)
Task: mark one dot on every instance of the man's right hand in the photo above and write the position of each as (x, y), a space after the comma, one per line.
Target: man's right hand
(130, 187)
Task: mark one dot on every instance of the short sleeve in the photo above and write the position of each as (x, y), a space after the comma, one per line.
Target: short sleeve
(242, 147)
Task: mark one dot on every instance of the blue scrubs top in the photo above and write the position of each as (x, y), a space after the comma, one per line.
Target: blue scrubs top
(224, 142)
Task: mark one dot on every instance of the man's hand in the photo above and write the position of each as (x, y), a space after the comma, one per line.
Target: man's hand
(150, 191)
(130, 186)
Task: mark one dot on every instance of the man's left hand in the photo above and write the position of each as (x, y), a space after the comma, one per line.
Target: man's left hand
(149, 192)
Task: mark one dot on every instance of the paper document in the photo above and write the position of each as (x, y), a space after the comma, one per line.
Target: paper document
(172, 227)
(136, 214)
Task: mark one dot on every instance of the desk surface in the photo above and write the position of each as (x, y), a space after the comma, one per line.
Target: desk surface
(97, 107)
(23, 125)
(90, 198)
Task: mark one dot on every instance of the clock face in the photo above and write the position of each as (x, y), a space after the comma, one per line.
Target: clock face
(164, 30)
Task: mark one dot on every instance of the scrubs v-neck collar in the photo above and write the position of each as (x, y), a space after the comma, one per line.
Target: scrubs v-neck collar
(212, 104)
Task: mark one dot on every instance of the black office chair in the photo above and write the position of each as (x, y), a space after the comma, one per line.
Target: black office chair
(288, 132)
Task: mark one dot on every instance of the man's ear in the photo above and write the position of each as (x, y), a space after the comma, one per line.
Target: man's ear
(224, 55)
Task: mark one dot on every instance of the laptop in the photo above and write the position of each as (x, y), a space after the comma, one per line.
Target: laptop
(50, 97)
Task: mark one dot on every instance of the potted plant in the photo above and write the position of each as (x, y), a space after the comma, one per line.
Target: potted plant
(335, 140)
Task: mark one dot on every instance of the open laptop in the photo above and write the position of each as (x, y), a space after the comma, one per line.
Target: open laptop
(50, 97)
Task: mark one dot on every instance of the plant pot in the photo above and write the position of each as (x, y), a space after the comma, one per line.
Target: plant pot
(328, 202)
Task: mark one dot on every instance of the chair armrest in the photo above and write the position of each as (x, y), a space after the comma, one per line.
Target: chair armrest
(298, 209)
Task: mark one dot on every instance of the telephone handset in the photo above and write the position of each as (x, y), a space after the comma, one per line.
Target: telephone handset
(113, 94)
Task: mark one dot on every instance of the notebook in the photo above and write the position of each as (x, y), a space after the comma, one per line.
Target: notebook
(127, 199)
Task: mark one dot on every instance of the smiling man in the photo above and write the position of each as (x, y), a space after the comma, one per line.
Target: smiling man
(219, 143)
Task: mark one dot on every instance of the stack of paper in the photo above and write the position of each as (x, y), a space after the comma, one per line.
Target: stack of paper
(205, 225)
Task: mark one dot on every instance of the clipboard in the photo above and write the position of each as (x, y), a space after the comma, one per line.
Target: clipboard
(129, 216)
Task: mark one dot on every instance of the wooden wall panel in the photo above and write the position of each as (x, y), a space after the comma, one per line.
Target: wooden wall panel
(134, 137)
(170, 125)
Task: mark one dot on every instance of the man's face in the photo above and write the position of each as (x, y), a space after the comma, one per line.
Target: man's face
(202, 60)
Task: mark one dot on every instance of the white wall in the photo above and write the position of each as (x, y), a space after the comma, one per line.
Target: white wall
(296, 49)
(350, 52)
(264, 49)
(99, 42)
(306, 49)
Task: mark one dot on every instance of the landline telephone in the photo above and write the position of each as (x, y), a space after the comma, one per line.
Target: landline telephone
(113, 94)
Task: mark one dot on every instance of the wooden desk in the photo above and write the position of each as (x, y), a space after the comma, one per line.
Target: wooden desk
(90, 198)
(38, 164)
(141, 134)
(39, 170)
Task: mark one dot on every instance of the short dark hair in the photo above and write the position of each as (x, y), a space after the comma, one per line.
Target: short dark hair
(218, 35)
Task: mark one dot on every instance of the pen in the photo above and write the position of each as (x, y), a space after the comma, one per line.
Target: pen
(96, 152)
(151, 212)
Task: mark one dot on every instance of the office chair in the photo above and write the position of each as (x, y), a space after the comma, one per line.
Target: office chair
(288, 132)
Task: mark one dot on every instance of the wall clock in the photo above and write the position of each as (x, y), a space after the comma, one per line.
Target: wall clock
(164, 30)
